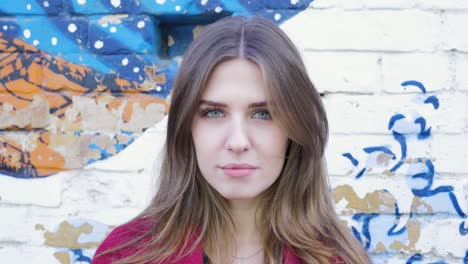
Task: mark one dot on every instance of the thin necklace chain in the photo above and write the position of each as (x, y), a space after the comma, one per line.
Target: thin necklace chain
(242, 260)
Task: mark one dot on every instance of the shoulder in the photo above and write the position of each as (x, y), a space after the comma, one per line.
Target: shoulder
(119, 235)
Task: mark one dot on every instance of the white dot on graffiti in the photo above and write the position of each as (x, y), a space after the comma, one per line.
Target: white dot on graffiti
(72, 28)
(113, 29)
(136, 69)
(160, 1)
(115, 3)
(177, 8)
(27, 33)
(218, 9)
(124, 61)
(81, 2)
(141, 24)
(158, 88)
(53, 41)
(277, 16)
(203, 2)
(36, 42)
(28, 6)
(98, 44)
(46, 3)
(5, 27)
(294, 2)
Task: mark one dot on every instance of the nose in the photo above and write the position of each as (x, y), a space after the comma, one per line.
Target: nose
(237, 138)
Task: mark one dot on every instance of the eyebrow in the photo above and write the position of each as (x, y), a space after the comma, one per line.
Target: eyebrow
(219, 104)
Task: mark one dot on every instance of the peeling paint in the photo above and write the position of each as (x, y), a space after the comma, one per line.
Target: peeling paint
(374, 202)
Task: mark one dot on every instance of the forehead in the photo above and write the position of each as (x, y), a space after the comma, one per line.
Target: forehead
(235, 81)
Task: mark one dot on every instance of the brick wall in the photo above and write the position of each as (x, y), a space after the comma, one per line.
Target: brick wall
(83, 95)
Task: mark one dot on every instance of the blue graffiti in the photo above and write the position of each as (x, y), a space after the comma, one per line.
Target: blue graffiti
(413, 258)
(462, 229)
(401, 139)
(393, 119)
(422, 181)
(414, 83)
(354, 161)
(423, 132)
(365, 218)
(78, 256)
(391, 231)
(432, 100)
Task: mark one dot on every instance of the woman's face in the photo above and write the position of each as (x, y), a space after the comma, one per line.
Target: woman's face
(230, 128)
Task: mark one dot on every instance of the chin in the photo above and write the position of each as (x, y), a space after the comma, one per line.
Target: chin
(239, 196)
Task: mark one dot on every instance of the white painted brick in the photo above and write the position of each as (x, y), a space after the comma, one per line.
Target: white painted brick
(431, 69)
(446, 4)
(455, 31)
(42, 191)
(400, 258)
(19, 228)
(383, 30)
(450, 243)
(461, 71)
(320, 4)
(371, 113)
(140, 155)
(98, 189)
(343, 71)
(23, 254)
(394, 4)
(107, 215)
(451, 152)
(362, 4)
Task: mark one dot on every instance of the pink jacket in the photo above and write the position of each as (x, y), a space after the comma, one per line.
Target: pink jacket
(136, 227)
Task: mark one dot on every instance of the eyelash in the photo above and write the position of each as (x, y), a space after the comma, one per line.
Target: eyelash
(205, 112)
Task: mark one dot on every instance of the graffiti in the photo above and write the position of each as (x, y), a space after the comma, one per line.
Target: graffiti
(368, 226)
(81, 88)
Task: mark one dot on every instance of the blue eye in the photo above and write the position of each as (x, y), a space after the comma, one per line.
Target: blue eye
(266, 114)
(211, 111)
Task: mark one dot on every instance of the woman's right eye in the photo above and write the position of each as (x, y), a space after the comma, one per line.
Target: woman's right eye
(211, 113)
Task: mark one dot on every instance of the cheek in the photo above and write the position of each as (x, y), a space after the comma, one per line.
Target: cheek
(275, 142)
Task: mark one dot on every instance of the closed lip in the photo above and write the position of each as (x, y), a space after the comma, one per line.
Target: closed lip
(238, 166)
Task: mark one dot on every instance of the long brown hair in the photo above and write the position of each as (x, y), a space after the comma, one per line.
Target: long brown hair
(297, 210)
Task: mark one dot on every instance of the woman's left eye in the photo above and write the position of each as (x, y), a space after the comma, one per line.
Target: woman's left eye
(264, 114)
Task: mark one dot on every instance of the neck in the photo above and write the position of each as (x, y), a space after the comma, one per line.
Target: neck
(247, 234)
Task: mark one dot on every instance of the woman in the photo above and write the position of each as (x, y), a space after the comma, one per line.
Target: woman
(243, 178)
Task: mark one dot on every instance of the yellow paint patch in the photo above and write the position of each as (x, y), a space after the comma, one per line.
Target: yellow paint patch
(418, 204)
(196, 30)
(170, 41)
(380, 248)
(67, 236)
(112, 19)
(374, 202)
(384, 158)
(63, 257)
